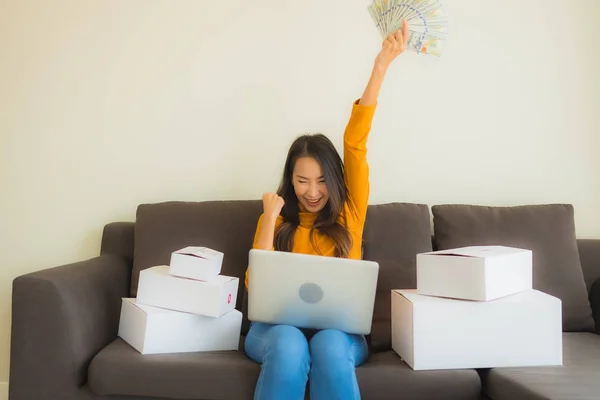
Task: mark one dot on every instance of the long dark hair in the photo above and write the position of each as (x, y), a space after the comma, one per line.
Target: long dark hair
(328, 222)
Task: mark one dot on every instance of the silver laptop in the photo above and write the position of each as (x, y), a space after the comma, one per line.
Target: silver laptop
(309, 291)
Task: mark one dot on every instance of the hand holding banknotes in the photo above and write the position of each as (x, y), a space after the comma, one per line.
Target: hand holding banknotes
(392, 46)
(427, 19)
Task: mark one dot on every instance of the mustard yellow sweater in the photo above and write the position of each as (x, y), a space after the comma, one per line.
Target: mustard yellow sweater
(356, 172)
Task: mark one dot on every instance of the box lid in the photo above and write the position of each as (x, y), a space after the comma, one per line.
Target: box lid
(414, 297)
(525, 295)
(213, 280)
(199, 252)
(148, 309)
(477, 251)
(220, 279)
(153, 310)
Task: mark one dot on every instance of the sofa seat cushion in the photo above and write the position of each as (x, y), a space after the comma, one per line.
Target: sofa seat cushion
(386, 376)
(577, 379)
(546, 229)
(120, 370)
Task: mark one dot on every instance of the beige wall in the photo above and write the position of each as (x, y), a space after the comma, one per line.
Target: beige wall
(107, 104)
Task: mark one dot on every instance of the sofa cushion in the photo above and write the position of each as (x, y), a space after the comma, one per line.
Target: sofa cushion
(394, 233)
(120, 370)
(386, 376)
(577, 378)
(589, 253)
(226, 226)
(547, 229)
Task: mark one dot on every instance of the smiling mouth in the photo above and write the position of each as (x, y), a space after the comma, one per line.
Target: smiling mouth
(313, 203)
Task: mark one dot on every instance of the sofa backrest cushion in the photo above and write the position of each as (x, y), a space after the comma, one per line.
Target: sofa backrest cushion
(226, 226)
(546, 229)
(394, 234)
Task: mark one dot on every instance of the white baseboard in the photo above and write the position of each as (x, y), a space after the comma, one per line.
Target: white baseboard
(3, 390)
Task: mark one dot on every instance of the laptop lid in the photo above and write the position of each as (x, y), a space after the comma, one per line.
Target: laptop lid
(310, 291)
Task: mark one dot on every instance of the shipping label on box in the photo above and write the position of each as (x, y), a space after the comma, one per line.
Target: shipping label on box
(194, 262)
(153, 330)
(524, 329)
(213, 297)
(480, 273)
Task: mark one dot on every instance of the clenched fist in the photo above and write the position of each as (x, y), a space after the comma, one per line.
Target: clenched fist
(272, 204)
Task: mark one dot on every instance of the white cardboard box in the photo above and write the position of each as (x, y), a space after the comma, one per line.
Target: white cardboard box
(213, 297)
(431, 333)
(194, 262)
(153, 330)
(477, 273)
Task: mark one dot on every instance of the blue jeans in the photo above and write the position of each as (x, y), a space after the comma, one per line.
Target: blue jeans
(288, 356)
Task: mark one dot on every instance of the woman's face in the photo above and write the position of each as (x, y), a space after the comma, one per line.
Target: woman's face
(309, 184)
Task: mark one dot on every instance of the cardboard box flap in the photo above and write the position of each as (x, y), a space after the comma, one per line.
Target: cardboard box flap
(199, 252)
(220, 279)
(525, 295)
(412, 296)
(147, 309)
(214, 280)
(477, 251)
(164, 271)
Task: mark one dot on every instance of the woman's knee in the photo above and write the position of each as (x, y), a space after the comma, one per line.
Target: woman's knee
(336, 347)
(288, 345)
(329, 344)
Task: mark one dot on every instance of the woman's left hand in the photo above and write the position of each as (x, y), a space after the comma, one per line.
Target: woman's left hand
(394, 45)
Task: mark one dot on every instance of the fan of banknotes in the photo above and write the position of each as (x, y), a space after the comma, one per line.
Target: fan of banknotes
(427, 22)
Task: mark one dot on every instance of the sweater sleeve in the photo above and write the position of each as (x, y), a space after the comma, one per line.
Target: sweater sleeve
(278, 221)
(356, 168)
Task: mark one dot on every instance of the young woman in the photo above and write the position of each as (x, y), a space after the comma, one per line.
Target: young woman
(320, 208)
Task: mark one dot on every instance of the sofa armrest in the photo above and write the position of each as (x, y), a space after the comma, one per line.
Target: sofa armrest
(118, 239)
(61, 318)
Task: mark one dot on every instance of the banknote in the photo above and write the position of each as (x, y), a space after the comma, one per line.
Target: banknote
(427, 21)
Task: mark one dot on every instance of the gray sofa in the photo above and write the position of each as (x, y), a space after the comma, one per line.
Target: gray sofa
(64, 342)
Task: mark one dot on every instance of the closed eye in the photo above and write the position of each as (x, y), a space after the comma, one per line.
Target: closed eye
(304, 179)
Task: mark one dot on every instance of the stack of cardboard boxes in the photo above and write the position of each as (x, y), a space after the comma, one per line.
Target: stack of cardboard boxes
(474, 307)
(187, 306)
